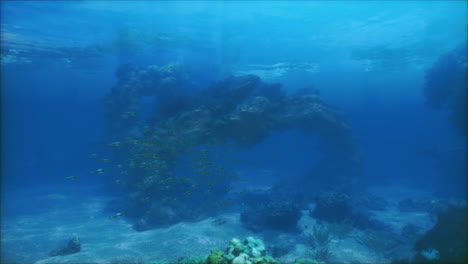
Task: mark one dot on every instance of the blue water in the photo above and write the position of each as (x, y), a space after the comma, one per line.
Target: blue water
(369, 60)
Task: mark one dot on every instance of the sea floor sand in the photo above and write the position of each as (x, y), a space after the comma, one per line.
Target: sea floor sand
(29, 235)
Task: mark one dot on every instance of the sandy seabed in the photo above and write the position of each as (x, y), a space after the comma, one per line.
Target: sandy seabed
(36, 222)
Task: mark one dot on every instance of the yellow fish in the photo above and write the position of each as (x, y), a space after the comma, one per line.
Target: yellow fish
(106, 160)
(72, 177)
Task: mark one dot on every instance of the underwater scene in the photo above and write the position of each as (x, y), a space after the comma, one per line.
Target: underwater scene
(233, 132)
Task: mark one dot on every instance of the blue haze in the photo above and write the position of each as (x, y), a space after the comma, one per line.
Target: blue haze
(52, 105)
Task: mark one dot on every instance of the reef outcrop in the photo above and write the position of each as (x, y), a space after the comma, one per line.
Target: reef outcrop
(446, 241)
(251, 250)
(338, 207)
(73, 246)
(273, 209)
(446, 85)
(241, 110)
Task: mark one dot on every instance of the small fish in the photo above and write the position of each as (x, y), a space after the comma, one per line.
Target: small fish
(98, 171)
(146, 199)
(219, 221)
(221, 204)
(124, 172)
(117, 215)
(117, 182)
(127, 114)
(72, 177)
(139, 185)
(94, 155)
(188, 193)
(115, 144)
(119, 166)
(166, 180)
(134, 141)
(106, 160)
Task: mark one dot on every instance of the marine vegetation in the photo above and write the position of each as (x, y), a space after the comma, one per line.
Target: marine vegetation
(342, 229)
(248, 251)
(377, 241)
(305, 261)
(322, 254)
(333, 207)
(319, 239)
(235, 112)
(320, 236)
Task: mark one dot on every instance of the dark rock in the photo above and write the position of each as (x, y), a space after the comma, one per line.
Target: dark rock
(273, 215)
(73, 246)
(336, 207)
(270, 211)
(332, 207)
(280, 250)
(446, 84)
(448, 237)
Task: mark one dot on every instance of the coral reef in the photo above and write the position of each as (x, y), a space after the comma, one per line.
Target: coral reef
(134, 83)
(242, 110)
(446, 86)
(250, 251)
